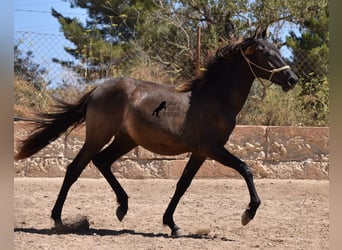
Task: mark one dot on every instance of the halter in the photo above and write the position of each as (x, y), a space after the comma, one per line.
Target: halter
(272, 71)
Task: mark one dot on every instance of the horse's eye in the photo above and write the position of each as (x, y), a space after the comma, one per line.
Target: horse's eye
(267, 53)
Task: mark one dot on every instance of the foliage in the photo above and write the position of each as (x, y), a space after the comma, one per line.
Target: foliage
(156, 40)
(28, 100)
(30, 94)
(314, 102)
(310, 58)
(287, 109)
(120, 34)
(103, 43)
(308, 103)
(27, 69)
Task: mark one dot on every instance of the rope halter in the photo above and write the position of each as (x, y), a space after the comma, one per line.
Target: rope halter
(272, 71)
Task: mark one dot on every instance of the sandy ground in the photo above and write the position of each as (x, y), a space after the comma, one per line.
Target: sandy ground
(294, 214)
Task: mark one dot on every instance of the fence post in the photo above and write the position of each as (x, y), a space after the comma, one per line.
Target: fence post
(198, 50)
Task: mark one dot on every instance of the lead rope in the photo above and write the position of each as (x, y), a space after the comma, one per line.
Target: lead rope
(272, 71)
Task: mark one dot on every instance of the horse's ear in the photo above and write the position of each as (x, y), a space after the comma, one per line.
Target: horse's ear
(265, 34)
(257, 33)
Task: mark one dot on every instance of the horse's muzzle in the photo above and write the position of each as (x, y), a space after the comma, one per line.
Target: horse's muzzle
(291, 82)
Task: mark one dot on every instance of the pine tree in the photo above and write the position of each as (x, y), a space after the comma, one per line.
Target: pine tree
(119, 35)
(103, 42)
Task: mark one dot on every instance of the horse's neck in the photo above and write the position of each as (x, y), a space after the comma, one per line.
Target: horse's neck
(234, 86)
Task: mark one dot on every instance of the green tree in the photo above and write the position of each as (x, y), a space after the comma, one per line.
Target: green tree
(120, 34)
(159, 37)
(102, 44)
(310, 58)
(307, 104)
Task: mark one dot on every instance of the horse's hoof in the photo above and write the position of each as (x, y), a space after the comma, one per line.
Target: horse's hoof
(245, 218)
(176, 232)
(58, 228)
(120, 213)
(58, 225)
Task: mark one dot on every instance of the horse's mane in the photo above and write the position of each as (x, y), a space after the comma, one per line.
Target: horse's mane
(214, 67)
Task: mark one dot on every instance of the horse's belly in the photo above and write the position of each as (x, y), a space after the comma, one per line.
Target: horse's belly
(162, 137)
(163, 149)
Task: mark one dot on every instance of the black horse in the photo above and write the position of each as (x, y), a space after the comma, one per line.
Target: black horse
(206, 115)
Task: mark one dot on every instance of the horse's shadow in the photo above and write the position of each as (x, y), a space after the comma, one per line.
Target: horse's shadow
(110, 232)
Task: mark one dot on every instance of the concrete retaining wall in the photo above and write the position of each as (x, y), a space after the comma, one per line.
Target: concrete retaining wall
(272, 152)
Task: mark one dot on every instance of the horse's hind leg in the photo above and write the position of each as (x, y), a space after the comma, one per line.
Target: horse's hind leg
(95, 140)
(74, 170)
(121, 145)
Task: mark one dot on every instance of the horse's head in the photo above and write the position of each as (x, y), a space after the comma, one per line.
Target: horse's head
(265, 61)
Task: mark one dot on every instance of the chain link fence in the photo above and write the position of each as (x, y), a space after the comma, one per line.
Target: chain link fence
(42, 48)
(45, 47)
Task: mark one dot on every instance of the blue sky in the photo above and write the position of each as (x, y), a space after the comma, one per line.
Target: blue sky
(35, 15)
(34, 24)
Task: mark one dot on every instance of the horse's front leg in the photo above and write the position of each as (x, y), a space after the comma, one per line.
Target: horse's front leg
(226, 158)
(184, 182)
(121, 145)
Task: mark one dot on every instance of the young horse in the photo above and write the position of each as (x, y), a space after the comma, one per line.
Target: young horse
(195, 117)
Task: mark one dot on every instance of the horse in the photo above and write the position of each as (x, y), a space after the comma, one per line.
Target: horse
(203, 116)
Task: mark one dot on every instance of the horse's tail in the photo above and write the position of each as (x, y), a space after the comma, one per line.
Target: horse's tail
(54, 125)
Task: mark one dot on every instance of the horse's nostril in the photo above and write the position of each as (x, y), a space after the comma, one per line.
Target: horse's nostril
(292, 81)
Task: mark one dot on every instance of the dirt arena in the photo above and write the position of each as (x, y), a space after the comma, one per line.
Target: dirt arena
(294, 214)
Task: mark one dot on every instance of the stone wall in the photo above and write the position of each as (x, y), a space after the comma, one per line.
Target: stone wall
(272, 152)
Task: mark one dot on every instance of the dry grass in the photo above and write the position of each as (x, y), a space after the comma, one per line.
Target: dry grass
(28, 100)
